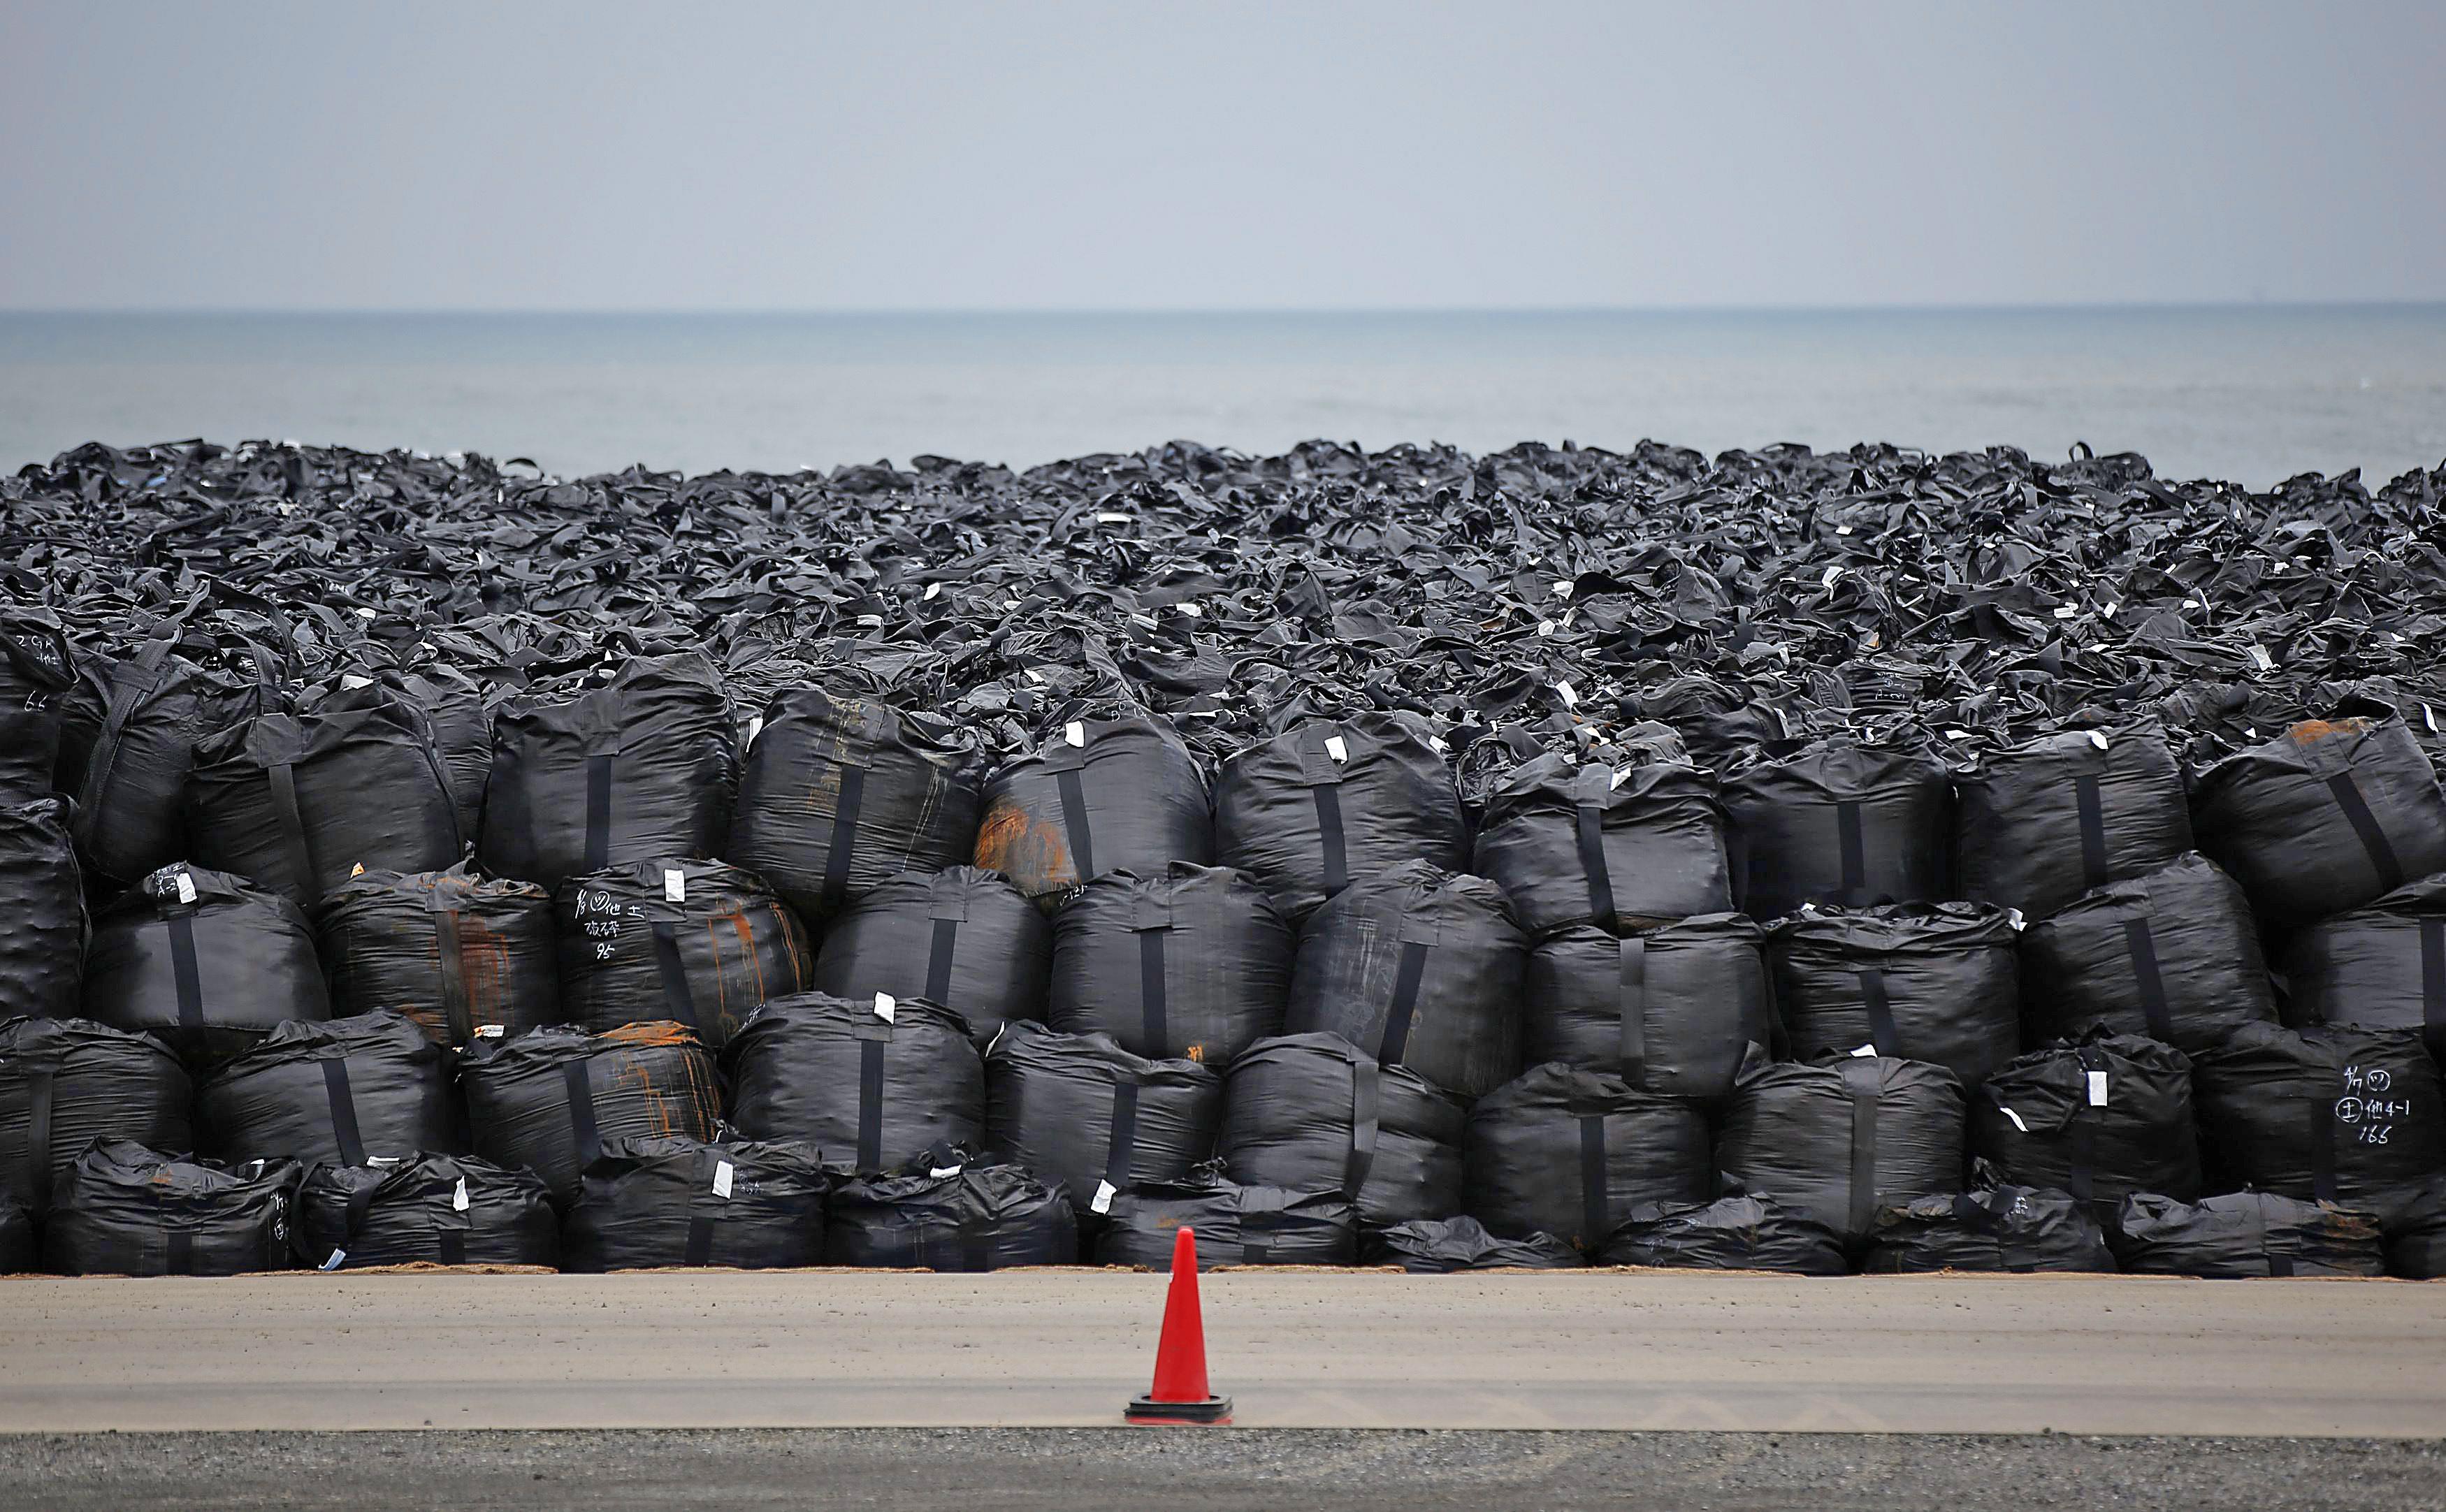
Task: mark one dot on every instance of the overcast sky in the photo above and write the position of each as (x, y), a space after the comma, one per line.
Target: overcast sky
(1160, 156)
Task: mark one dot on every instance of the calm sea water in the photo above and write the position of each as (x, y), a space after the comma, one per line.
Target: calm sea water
(2254, 394)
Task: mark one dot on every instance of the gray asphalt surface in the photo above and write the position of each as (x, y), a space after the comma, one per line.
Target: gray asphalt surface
(1198, 1469)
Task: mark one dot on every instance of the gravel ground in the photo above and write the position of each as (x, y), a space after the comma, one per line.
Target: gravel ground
(1082, 1469)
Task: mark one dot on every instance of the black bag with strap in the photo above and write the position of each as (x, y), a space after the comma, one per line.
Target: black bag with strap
(2381, 966)
(656, 1201)
(459, 955)
(947, 1211)
(1236, 1224)
(1669, 1010)
(1079, 1111)
(208, 963)
(67, 1082)
(428, 1209)
(125, 1210)
(1939, 982)
(2100, 1118)
(2022, 1229)
(552, 1100)
(962, 937)
(2244, 1235)
(1621, 848)
(2171, 955)
(1191, 961)
(1328, 800)
(1572, 1153)
(1840, 821)
(1102, 795)
(2329, 1114)
(1314, 1112)
(1843, 1136)
(39, 673)
(873, 1084)
(2038, 823)
(340, 1093)
(697, 942)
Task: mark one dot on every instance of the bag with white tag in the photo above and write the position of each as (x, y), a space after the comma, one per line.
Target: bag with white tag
(551, 1100)
(872, 1082)
(42, 895)
(963, 937)
(2329, 1115)
(1314, 1112)
(946, 1210)
(1843, 821)
(1102, 795)
(2173, 954)
(1190, 960)
(1938, 982)
(40, 674)
(2005, 1228)
(1571, 1152)
(1079, 1111)
(1669, 1010)
(428, 1209)
(461, 955)
(1843, 1137)
(2244, 1235)
(1622, 848)
(208, 963)
(2100, 1118)
(1236, 1223)
(125, 1210)
(2038, 823)
(1736, 1232)
(67, 1082)
(651, 1203)
(697, 942)
(1328, 800)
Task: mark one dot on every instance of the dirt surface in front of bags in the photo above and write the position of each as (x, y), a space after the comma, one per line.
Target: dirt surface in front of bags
(1191, 1471)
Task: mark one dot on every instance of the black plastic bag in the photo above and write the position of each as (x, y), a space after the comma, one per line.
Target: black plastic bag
(125, 1210)
(2101, 1117)
(1735, 1232)
(697, 942)
(1313, 1112)
(461, 724)
(2381, 966)
(2038, 823)
(1328, 800)
(297, 803)
(162, 702)
(945, 1212)
(209, 963)
(2171, 955)
(1938, 982)
(1844, 1136)
(1571, 1152)
(457, 953)
(1421, 968)
(2415, 1237)
(1191, 961)
(1081, 1111)
(873, 1084)
(1102, 795)
(1669, 1010)
(38, 673)
(963, 937)
(2330, 816)
(664, 1201)
(2242, 1234)
(2332, 1114)
(67, 1082)
(1621, 848)
(1841, 822)
(333, 1093)
(841, 793)
(1236, 1224)
(2009, 1228)
(424, 1210)
(42, 895)
(639, 768)
(1437, 1246)
(551, 1100)
(19, 1247)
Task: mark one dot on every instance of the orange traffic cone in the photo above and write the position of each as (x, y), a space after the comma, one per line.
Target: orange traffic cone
(1180, 1394)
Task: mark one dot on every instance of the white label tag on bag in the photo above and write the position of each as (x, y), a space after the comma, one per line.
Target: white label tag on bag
(721, 1179)
(2098, 1088)
(933, 591)
(675, 886)
(1075, 733)
(2015, 1118)
(1828, 581)
(1111, 517)
(2267, 662)
(1545, 626)
(941, 1171)
(2429, 717)
(351, 682)
(755, 728)
(1105, 1192)
(1337, 748)
(1571, 694)
(1842, 529)
(1864, 1052)
(2068, 611)
(333, 1264)
(885, 1006)
(186, 887)
(459, 1197)
(2097, 739)
(1562, 590)
(1621, 775)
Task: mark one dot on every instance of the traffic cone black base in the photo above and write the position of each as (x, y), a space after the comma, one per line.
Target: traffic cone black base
(1147, 1409)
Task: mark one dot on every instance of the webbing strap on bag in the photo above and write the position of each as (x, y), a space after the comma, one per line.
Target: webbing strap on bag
(2373, 838)
(452, 1244)
(2142, 948)
(1880, 1009)
(1151, 925)
(1854, 852)
(1323, 775)
(1860, 1080)
(38, 1135)
(179, 1256)
(598, 812)
(584, 1135)
(450, 951)
(2277, 1265)
(292, 828)
(1592, 787)
(182, 968)
(2093, 832)
(677, 995)
(1407, 978)
(2433, 986)
(1633, 1011)
(976, 1244)
(1596, 1218)
(1122, 1134)
(1074, 822)
(2322, 1148)
(343, 1113)
(938, 960)
(844, 838)
(1365, 1089)
(873, 1035)
(700, 1241)
(361, 1207)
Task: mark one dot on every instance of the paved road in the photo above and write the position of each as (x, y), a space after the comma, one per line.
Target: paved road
(1594, 1349)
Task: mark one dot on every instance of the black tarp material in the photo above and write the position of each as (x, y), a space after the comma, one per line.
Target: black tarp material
(947, 1212)
(872, 1083)
(171, 694)
(1328, 800)
(659, 1201)
(1235, 1224)
(1619, 847)
(963, 937)
(1082, 1112)
(423, 1209)
(1190, 960)
(640, 768)
(2380, 966)
(2338, 1114)
(840, 792)
(460, 723)
(2171, 955)
(459, 955)
(1736, 1232)
(2038, 822)
(1571, 1152)
(1938, 982)
(2100, 1118)
(209, 963)
(2008, 1228)
(2415, 1237)
(2330, 816)
(1102, 795)
(67, 1082)
(296, 803)
(1843, 1136)
(338, 1092)
(1419, 967)
(1840, 821)
(697, 942)
(551, 1100)
(1313, 1112)
(2241, 1235)
(42, 895)
(20, 1246)
(38, 672)
(1438, 1246)
(1669, 1010)
(125, 1210)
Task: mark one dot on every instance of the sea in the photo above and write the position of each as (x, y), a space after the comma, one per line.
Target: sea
(2253, 393)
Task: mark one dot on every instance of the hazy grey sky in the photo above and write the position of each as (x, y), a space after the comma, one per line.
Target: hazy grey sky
(1133, 156)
